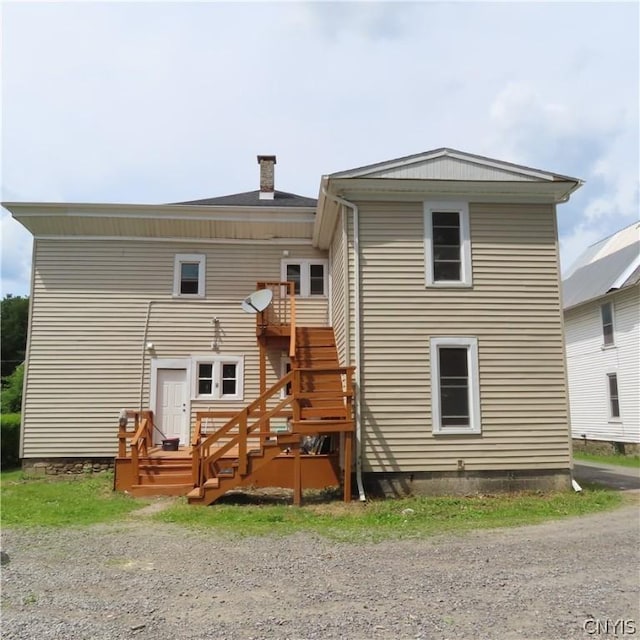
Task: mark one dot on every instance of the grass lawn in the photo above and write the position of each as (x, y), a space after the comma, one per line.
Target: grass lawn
(390, 519)
(623, 461)
(60, 501)
(82, 500)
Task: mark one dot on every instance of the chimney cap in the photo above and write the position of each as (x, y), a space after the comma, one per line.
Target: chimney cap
(267, 158)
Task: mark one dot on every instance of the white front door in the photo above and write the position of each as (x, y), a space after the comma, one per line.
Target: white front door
(172, 408)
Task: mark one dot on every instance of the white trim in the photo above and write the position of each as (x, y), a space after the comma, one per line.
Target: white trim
(277, 241)
(284, 361)
(442, 153)
(217, 362)
(611, 417)
(471, 344)
(466, 275)
(170, 363)
(176, 212)
(305, 275)
(612, 344)
(180, 259)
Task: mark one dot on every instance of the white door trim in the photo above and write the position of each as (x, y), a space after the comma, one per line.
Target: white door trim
(170, 363)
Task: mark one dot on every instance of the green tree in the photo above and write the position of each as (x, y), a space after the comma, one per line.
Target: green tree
(11, 399)
(14, 312)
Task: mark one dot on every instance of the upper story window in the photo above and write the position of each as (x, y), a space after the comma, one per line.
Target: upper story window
(218, 378)
(447, 244)
(606, 313)
(309, 276)
(188, 275)
(455, 389)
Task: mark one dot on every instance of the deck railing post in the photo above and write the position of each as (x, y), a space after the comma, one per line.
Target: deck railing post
(297, 475)
(295, 392)
(242, 444)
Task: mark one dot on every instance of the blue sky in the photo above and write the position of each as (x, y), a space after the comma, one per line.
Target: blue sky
(161, 102)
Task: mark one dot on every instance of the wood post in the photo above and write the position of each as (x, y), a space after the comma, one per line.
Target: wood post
(348, 450)
(242, 444)
(297, 475)
(263, 386)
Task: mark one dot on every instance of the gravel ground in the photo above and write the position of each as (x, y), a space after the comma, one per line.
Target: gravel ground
(144, 580)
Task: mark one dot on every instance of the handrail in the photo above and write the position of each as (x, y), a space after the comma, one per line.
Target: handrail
(201, 456)
(252, 419)
(292, 322)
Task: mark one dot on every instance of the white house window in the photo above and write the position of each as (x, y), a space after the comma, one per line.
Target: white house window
(447, 244)
(188, 276)
(606, 312)
(218, 377)
(614, 403)
(309, 276)
(455, 388)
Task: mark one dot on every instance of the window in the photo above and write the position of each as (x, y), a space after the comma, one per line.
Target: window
(455, 391)
(614, 403)
(606, 312)
(309, 276)
(447, 244)
(188, 277)
(218, 377)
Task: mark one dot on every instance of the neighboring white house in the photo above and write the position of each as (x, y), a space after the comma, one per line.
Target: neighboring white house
(601, 300)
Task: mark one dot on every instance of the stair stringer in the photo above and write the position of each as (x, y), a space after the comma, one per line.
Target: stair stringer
(257, 461)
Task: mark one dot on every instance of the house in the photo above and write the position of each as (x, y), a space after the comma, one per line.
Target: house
(414, 312)
(601, 300)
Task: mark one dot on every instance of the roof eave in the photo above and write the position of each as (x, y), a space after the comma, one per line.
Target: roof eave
(555, 191)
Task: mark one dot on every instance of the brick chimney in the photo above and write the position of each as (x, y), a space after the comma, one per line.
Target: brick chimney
(267, 189)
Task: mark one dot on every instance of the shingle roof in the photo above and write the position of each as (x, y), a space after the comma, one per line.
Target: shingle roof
(252, 199)
(597, 277)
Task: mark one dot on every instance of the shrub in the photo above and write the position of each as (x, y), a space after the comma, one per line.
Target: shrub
(11, 400)
(9, 440)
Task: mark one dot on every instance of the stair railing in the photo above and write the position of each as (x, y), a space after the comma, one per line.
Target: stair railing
(238, 429)
(282, 310)
(141, 437)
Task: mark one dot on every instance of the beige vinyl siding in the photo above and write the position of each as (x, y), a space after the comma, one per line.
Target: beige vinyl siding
(588, 364)
(338, 286)
(512, 309)
(90, 306)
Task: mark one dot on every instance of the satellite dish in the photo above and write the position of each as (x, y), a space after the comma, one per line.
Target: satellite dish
(258, 301)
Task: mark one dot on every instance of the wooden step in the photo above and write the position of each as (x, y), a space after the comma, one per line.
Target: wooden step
(158, 479)
(311, 427)
(145, 490)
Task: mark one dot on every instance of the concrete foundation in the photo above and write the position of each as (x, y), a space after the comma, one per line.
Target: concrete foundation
(441, 483)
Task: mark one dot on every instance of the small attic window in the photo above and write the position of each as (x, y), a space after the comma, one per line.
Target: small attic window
(188, 277)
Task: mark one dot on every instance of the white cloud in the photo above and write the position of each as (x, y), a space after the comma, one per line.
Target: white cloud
(161, 102)
(16, 257)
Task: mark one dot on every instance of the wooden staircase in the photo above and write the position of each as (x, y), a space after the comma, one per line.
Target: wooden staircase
(318, 401)
(168, 474)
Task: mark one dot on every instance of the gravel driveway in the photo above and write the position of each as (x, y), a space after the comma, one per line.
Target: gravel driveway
(149, 581)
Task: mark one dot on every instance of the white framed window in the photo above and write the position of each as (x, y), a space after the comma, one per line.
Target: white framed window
(447, 244)
(606, 314)
(614, 401)
(217, 378)
(188, 275)
(310, 276)
(455, 385)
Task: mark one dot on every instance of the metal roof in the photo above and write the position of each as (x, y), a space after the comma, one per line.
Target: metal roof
(252, 199)
(596, 278)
